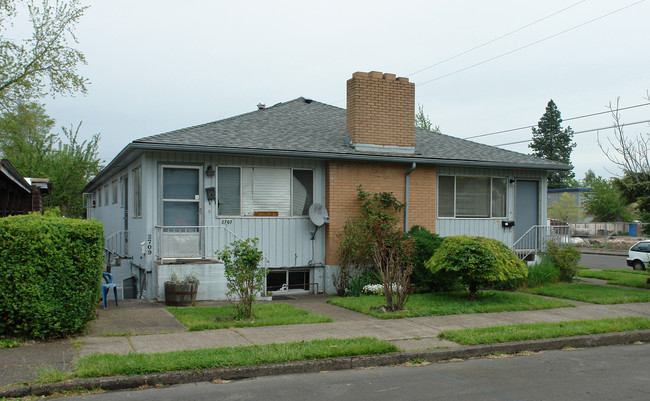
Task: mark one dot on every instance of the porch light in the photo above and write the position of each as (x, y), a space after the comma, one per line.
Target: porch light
(209, 171)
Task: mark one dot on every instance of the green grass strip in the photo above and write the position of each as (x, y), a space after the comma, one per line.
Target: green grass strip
(592, 293)
(99, 365)
(536, 331)
(9, 343)
(219, 317)
(450, 303)
(629, 278)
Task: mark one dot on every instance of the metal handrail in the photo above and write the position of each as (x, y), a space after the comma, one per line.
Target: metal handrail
(201, 230)
(535, 238)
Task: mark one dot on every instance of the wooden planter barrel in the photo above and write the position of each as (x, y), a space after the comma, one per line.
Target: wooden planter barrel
(180, 294)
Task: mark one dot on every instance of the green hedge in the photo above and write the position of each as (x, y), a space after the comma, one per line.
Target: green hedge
(50, 275)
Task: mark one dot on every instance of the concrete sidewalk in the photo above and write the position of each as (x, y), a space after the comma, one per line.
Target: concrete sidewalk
(147, 327)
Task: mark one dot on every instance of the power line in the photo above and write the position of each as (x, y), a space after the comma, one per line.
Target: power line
(566, 119)
(579, 132)
(530, 44)
(494, 40)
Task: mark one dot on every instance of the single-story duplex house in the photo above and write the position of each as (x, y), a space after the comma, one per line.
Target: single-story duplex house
(168, 202)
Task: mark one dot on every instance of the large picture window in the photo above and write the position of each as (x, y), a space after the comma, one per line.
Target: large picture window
(472, 197)
(264, 191)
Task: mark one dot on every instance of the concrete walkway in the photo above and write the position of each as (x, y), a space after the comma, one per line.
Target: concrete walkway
(147, 327)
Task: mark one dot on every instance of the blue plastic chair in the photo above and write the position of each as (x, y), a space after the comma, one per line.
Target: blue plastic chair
(105, 287)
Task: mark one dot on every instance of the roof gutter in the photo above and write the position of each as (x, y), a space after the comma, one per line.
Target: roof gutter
(134, 146)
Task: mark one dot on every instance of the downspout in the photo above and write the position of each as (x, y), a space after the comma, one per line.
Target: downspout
(406, 196)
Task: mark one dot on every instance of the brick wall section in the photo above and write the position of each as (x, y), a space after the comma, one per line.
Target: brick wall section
(343, 178)
(380, 109)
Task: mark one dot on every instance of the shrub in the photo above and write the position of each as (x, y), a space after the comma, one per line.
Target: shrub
(245, 278)
(477, 261)
(50, 275)
(422, 279)
(542, 273)
(565, 258)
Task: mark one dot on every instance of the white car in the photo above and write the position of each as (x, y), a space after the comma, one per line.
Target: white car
(639, 255)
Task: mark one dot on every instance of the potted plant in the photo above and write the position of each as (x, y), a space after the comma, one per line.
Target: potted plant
(181, 292)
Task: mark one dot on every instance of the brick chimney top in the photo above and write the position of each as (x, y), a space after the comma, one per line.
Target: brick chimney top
(381, 113)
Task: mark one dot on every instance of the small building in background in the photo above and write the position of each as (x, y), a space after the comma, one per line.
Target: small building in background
(578, 194)
(20, 195)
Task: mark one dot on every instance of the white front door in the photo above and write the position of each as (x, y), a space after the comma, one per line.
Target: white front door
(181, 211)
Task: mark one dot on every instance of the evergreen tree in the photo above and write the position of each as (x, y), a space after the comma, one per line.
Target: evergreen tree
(552, 142)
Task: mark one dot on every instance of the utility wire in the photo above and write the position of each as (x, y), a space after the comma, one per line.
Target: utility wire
(494, 40)
(529, 45)
(566, 119)
(579, 132)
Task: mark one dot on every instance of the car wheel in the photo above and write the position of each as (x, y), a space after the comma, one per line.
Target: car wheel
(638, 265)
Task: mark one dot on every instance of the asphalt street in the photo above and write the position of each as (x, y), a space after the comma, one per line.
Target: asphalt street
(600, 262)
(603, 373)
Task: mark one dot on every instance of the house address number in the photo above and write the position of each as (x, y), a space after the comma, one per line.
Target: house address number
(226, 221)
(149, 244)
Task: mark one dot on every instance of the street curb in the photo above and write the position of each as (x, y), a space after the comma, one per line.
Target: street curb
(354, 362)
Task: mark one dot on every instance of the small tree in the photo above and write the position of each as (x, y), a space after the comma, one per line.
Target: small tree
(373, 237)
(605, 202)
(566, 209)
(477, 261)
(423, 121)
(245, 278)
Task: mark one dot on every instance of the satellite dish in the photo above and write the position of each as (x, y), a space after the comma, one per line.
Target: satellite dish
(318, 214)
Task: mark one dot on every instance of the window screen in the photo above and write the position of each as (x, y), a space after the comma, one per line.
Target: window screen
(499, 188)
(229, 191)
(472, 197)
(446, 196)
(303, 192)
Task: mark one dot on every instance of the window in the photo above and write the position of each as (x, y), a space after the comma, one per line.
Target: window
(137, 192)
(472, 197)
(114, 191)
(106, 195)
(99, 197)
(264, 191)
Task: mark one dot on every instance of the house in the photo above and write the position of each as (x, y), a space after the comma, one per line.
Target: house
(20, 195)
(169, 201)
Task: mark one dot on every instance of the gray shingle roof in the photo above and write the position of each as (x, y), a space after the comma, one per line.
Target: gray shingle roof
(315, 129)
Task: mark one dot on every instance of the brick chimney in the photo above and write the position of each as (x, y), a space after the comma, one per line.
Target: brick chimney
(381, 113)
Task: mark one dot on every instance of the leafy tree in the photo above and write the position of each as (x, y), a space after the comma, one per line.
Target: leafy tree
(552, 142)
(44, 63)
(631, 155)
(477, 261)
(241, 261)
(589, 179)
(422, 121)
(25, 140)
(605, 202)
(566, 209)
(373, 237)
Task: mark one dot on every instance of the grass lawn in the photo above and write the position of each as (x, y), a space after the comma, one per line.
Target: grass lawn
(629, 278)
(534, 331)
(450, 303)
(98, 365)
(205, 318)
(592, 293)
(9, 343)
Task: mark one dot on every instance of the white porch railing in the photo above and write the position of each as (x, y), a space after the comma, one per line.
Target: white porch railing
(535, 239)
(115, 245)
(192, 242)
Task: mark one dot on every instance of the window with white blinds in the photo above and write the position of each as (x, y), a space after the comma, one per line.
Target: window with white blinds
(472, 197)
(264, 191)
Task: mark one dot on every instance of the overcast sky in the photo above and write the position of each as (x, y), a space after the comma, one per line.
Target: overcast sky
(156, 66)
